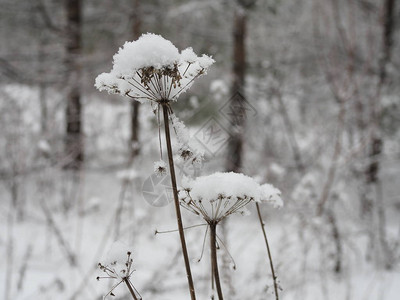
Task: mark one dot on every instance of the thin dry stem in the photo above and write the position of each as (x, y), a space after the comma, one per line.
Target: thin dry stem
(269, 252)
(128, 284)
(214, 261)
(176, 201)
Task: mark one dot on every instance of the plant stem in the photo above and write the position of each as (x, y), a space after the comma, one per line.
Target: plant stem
(128, 284)
(269, 252)
(176, 201)
(214, 261)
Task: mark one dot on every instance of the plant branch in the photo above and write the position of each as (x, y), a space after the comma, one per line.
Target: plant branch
(128, 284)
(176, 201)
(214, 261)
(269, 252)
(334, 163)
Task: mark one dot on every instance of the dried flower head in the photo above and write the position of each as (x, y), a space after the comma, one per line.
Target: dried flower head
(152, 69)
(216, 196)
(185, 153)
(117, 270)
(160, 168)
(118, 266)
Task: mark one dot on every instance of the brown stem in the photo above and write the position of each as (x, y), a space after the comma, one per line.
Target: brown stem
(176, 201)
(214, 261)
(269, 252)
(128, 284)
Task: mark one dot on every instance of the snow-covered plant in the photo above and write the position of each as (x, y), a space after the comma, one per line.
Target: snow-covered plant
(118, 266)
(152, 70)
(217, 196)
(185, 152)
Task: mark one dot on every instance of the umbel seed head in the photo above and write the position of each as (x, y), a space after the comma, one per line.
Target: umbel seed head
(219, 195)
(152, 69)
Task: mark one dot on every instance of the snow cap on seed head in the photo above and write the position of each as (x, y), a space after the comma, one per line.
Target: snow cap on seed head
(218, 195)
(150, 50)
(152, 69)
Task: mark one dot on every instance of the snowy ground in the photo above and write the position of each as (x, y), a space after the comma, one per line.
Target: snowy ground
(41, 268)
(52, 253)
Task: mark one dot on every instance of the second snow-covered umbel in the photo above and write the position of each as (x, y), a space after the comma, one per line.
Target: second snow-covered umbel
(219, 195)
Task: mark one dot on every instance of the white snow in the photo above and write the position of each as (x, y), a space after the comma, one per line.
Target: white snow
(229, 184)
(152, 69)
(271, 195)
(44, 146)
(220, 194)
(188, 55)
(219, 86)
(112, 84)
(180, 129)
(150, 50)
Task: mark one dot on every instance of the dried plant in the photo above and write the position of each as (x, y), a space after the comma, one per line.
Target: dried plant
(219, 195)
(152, 70)
(120, 272)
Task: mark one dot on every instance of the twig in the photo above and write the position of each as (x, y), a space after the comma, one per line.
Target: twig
(69, 253)
(10, 251)
(336, 155)
(290, 132)
(119, 210)
(175, 230)
(24, 266)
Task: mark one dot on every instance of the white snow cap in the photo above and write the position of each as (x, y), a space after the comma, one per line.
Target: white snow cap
(150, 50)
(230, 184)
(271, 195)
(152, 69)
(220, 194)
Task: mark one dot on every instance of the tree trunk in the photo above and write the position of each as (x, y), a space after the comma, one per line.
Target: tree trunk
(376, 141)
(235, 145)
(42, 89)
(135, 126)
(73, 117)
(375, 110)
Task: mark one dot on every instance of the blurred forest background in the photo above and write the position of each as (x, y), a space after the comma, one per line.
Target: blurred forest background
(318, 84)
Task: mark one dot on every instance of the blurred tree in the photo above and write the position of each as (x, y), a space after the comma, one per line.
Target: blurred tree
(237, 109)
(135, 105)
(73, 116)
(376, 142)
